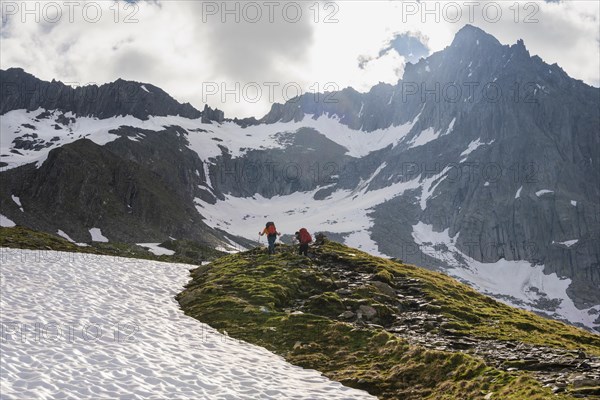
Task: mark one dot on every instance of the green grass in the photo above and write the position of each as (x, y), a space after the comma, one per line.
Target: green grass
(185, 251)
(246, 295)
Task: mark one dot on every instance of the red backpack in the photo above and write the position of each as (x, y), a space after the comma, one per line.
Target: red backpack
(304, 236)
(271, 230)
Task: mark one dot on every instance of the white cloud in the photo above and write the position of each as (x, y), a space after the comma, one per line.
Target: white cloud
(172, 47)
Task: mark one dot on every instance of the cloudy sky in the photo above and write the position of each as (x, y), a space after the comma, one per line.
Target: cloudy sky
(253, 53)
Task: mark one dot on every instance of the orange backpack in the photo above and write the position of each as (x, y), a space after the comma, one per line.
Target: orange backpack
(271, 230)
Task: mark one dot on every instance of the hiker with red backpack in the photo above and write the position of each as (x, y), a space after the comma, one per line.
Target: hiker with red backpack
(271, 233)
(304, 239)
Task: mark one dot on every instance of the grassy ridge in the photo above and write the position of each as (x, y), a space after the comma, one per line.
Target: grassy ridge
(185, 251)
(249, 295)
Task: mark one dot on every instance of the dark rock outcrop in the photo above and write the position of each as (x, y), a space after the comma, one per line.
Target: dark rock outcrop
(128, 189)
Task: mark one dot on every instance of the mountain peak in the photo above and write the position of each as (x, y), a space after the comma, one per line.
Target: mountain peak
(471, 28)
(469, 35)
(14, 70)
(520, 47)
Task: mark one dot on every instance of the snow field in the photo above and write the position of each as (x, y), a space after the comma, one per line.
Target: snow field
(78, 326)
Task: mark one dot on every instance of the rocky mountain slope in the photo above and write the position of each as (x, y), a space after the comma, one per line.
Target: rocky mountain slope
(505, 150)
(85, 182)
(482, 162)
(21, 90)
(395, 330)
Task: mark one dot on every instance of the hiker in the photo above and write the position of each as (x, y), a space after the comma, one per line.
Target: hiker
(271, 233)
(304, 239)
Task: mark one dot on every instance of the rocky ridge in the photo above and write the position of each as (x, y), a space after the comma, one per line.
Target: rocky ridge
(420, 323)
(21, 90)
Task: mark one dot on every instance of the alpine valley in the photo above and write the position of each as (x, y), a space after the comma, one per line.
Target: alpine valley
(482, 162)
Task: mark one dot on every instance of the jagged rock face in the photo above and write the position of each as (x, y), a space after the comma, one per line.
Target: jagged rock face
(208, 115)
(279, 172)
(543, 138)
(21, 90)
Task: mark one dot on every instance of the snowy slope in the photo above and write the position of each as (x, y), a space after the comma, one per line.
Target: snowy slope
(345, 212)
(44, 133)
(88, 327)
(205, 138)
(517, 283)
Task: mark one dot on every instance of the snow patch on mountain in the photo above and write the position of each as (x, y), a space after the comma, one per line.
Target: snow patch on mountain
(364, 185)
(227, 249)
(49, 133)
(450, 127)
(426, 136)
(517, 283)
(207, 175)
(6, 222)
(112, 329)
(233, 247)
(345, 212)
(429, 185)
(361, 240)
(238, 141)
(471, 147)
(540, 193)
(97, 235)
(206, 139)
(156, 249)
(17, 202)
(474, 145)
(518, 194)
(137, 137)
(358, 143)
(567, 243)
(64, 236)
